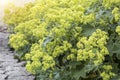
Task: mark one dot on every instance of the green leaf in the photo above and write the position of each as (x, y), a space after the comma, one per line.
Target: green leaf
(46, 40)
(116, 49)
(57, 76)
(117, 77)
(89, 67)
(118, 56)
(77, 74)
(87, 31)
(83, 71)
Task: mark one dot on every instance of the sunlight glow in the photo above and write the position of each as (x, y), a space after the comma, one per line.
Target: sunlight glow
(4, 2)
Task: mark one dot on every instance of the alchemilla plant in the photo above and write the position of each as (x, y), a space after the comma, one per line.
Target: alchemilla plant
(67, 39)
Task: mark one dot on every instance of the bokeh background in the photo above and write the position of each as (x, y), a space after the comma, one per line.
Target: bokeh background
(3, 4)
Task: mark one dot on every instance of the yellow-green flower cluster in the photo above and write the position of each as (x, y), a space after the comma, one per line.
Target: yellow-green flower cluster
(28, 27)
(93, 47)
(107, 73)
(38, 59)
(48, 62)
(109, 3)
(116, 13)
(58, 50)
(88, 18)
(24, 34)
(62, 10)
(118, 30)
(18, 41)
(72, 55)
(14, 14)
(40, 31)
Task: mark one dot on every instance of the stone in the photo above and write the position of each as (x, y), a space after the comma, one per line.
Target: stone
(21, 78)
(10, 68)
(2, 76)
(2, 72)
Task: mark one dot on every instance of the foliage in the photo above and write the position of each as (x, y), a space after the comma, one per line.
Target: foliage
(67, 39)
(15, 15)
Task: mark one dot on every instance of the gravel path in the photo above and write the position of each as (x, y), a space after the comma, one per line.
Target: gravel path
(10, 68)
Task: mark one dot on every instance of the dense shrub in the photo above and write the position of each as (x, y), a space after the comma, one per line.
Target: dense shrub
(68, 39)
